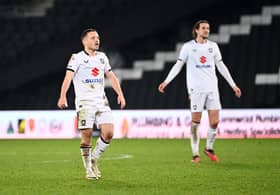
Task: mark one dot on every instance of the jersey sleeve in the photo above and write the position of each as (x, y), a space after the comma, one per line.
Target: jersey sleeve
(107, 66)
(73, 63)
(218, 55)
(183, 56)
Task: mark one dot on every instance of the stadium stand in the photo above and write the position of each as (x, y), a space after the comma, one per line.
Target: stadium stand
(243, 53)
(35, 50)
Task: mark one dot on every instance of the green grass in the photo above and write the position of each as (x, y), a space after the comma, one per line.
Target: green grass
(155, 167)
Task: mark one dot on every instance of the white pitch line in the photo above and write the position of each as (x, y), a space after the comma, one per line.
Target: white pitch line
(121, 156)
(116, 157)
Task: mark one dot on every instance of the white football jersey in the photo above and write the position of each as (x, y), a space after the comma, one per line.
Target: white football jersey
(200, 62)
(89, 75)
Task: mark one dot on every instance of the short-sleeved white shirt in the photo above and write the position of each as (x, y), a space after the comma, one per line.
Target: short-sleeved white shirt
(89, 75)
(200, 62)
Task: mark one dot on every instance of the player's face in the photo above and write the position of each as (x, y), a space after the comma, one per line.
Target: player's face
(203, 30)
(92, 41)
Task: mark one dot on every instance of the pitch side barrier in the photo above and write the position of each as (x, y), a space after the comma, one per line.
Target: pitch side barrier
(234, 123)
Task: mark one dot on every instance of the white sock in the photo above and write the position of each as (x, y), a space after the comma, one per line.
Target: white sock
(211, 134)
(195, 139)
(86, 156)
(100, 147)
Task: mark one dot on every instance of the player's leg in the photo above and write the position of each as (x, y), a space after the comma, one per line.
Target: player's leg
(212, 131)
(85, 124)
(211, 134)
(196, 104)
(213, 106)
(85, 148)
(105, 121)
(194, 136)
(103, 141)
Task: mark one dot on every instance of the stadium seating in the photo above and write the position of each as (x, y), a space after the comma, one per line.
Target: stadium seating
(33, 83)
(244, 54)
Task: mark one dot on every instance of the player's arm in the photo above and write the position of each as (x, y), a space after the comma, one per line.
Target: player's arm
(62, 101)
(226, 74)
(114, 81)
(171, 75)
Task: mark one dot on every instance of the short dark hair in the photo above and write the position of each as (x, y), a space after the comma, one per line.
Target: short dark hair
(86, 31)
(196, 26)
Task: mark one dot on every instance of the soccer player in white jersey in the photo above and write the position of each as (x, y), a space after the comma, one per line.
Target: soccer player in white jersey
(202, 56)
(87, 69)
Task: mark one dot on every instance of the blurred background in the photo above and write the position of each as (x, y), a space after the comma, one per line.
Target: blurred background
(142, 40)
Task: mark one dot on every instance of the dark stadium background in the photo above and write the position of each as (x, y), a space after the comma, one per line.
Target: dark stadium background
(40, 149)
(37, 42)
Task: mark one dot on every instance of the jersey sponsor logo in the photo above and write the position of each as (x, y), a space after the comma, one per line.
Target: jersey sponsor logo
(203, 66)
(86, 61)
(95, 71)
(97, 80)
(202, 59)
(210, 50)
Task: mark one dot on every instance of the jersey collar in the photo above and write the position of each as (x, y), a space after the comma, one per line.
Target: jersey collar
(86, 52)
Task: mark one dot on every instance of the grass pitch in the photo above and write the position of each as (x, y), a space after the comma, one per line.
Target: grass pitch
(138, 166)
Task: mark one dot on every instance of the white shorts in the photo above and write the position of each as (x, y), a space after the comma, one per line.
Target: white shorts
(89, 114)
(204, 100)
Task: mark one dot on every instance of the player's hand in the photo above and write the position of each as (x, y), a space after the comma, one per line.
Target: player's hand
(62, 103)
(237, 91)
(162, 87)
(121, 101)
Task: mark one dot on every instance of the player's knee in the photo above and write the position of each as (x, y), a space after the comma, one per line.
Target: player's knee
(214, 124)
(109, 136)
(195, 122)
(86, 139)
(196, 119)
(107, 132)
